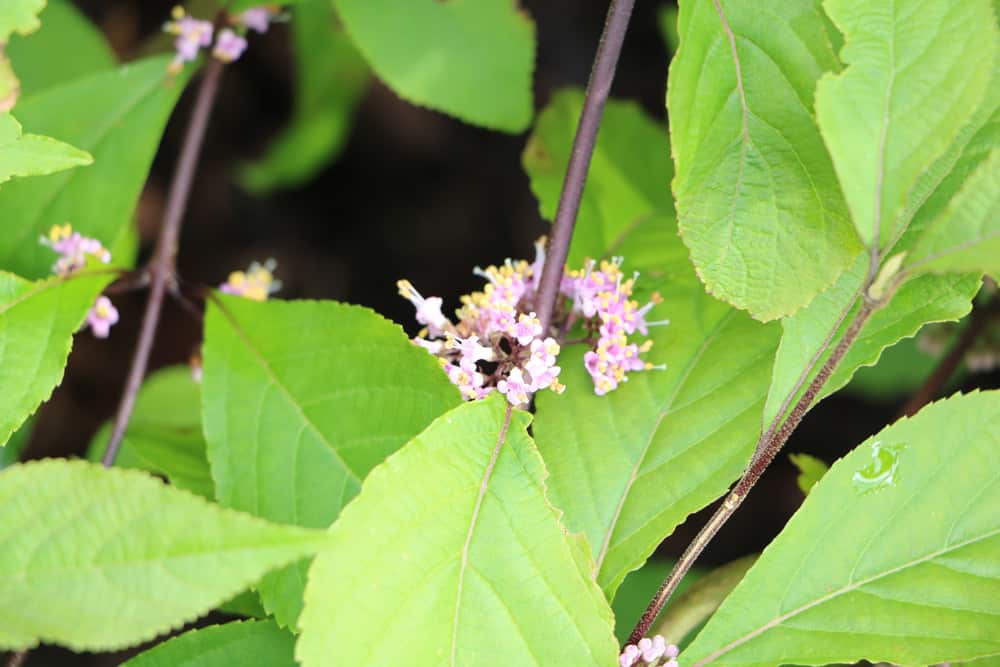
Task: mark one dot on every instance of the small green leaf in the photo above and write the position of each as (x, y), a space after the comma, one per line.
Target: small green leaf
(331, 80)
(66, 47)
(98, 559)
(666, 19)
(907, 573)
(453, 555)
(629, 177)
(17, 444)
(811, 470)
(473, 60)
(966, 236)
(20, 16)
(758, 202)
(33, 155)
(118, 117)
(300, 401)
(37, 322)
(243, 643)
(164, 434)
(690, 609)
(899, 105)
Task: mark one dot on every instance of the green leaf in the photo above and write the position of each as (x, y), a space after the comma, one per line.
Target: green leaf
(300, 401)
(66, 47)
(811, 470)
(899, 371)
(757, 199)
(692, 608)
(20, 16)
(237, 643)
(473, 60)
(164, 435)
(629, 177)
(99, 559)
(331, 79)
(901, 102)
(905, 572)
(33, 155)
(11, 453)
(37, 322)
(453, 555)
(118, 117)
(812, 333)
(666, 20)
(630, 466)
(966, 236)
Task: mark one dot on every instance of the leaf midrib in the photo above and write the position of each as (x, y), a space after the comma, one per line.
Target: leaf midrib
(837, 593)
(277, 383)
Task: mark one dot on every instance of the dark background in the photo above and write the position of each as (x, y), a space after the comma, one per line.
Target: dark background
(415, 194)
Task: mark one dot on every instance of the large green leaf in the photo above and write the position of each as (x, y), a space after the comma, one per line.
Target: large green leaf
(758, 202)
(966, 236)
(629, 177)
(118, 117)
(33, 155)
(164, 434)
(245, 643)
(890, 559)
(628, 467)
(917, 71)
(66, 47)
(300, 401)
(453, 555)
(812, 333)
(20, 16)
(331, 79)
(473, 60)
(37, 322)
(98, 559)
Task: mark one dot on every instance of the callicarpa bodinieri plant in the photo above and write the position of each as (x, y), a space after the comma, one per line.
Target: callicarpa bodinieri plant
(319, 486)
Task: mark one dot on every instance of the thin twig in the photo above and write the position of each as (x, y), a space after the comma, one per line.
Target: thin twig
(598, 88)
(936, 381)
(765, 453)
(161, 269)
(17, 659)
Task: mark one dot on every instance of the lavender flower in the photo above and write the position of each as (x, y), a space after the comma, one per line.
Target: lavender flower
(649, 652)
(192, 36)
(73, 249)
(256, 283)
(257, 19)
(229, 46)
(102, 316)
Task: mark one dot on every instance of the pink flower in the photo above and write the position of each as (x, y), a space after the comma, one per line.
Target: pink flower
(256, 283)
(192, 36)
(102, 316)
(471, 351)
(229, 46)
(629, 656)
(257, 19)
(526, 329)
(428, 309)
(73, 249)
(514, 387)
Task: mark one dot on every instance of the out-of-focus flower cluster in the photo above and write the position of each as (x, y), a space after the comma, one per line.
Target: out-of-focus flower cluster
(193, 35)
(497, 342)
(256, 283)
(648, 651)
(74, 249)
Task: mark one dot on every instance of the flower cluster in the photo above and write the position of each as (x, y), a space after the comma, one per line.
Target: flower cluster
(653, 651)
(498, 343)
(193, 35)
(74, 249)
(256, 283)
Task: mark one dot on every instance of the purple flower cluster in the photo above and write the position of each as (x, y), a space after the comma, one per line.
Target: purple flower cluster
(74, 249)
(256, 283)
(648, 651)
(193, 35)
(498, 342)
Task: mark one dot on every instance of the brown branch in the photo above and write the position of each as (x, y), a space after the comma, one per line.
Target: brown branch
(598, 89)
(767, 449)
(936, 381)
(161, 268)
